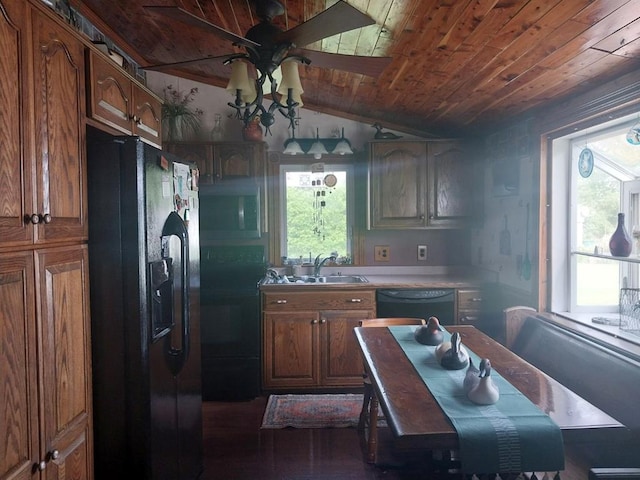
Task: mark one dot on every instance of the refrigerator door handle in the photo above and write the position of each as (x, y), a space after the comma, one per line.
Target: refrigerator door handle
(174, 225)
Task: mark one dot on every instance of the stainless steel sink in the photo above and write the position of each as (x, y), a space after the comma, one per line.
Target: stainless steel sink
(328, 279)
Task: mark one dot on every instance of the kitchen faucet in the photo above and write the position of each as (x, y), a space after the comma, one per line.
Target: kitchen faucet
(318, 264)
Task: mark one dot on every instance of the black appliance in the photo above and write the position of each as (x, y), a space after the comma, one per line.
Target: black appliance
(230, 312)
(230, 210)
(144, 263)
(417, 302)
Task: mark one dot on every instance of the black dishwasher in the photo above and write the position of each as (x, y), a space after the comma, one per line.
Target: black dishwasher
(417, 302)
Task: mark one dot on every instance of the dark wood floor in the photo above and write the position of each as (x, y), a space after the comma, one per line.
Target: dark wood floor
(235, 448)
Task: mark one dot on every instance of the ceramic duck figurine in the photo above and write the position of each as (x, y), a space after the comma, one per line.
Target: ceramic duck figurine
(472, 377)
(485, 392)
(456, 357)
(384, 135)
(442, 349)
(429, 334)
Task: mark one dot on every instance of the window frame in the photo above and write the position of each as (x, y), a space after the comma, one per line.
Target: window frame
(562, 295)
(275, 160)
(350, 198)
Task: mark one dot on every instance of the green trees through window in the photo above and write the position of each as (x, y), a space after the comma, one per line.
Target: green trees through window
(315, 212)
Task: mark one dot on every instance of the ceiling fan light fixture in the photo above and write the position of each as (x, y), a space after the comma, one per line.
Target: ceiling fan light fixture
(239, 78)
(291, 80)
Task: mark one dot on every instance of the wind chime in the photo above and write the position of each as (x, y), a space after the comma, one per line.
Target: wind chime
(319, 189)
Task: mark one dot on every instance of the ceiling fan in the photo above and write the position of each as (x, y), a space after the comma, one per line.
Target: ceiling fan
(267, 47)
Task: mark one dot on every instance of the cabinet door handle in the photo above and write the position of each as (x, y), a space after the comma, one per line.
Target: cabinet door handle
(281, 302)
(314, 321)
(323, 320)
(476, 299)
(356, 300)
(35, 219)
(54, 455)
(46, 218)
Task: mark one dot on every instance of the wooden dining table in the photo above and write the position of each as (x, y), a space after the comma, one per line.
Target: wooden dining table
(418, 423)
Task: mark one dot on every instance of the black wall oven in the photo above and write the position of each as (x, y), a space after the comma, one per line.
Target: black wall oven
(230, 321)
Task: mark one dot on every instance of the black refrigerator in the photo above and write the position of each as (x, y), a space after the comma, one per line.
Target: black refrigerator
(145, 286)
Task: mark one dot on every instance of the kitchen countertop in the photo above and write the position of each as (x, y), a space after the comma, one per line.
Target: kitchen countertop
(376, 281)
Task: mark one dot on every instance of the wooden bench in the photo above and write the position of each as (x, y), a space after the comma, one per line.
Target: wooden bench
(608, 379)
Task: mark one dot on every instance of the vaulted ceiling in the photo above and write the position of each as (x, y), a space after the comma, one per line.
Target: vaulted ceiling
(456, 64)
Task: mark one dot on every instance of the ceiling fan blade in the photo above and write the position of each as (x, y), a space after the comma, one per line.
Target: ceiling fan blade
(371, 66)
(176, 13)
(186, 63)
(339, 18)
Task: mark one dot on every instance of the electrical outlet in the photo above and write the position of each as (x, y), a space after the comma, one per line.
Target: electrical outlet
(422, 252)
(381, 253)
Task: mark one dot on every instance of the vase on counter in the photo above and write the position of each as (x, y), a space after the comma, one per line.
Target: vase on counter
(217, 133)
(621, 243)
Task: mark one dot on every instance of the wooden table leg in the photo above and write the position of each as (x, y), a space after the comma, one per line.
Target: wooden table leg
(372, 440)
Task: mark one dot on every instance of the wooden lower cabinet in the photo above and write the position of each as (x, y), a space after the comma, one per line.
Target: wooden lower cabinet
(46, 369)
(313, 347)
(469, 306)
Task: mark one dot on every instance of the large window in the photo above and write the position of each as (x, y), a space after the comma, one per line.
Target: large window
(586, 199)
(316, 214)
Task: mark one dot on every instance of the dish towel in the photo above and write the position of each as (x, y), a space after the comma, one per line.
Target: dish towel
(512, 435)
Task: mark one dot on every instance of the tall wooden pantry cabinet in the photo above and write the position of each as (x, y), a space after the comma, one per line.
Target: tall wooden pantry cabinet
(45, 358)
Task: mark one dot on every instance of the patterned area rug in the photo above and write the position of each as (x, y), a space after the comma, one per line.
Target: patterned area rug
(312, 411)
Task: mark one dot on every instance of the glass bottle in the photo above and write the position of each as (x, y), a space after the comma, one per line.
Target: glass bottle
(217, 131)
(621, 242)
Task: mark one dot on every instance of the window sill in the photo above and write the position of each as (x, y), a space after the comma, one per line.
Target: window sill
(617, 339)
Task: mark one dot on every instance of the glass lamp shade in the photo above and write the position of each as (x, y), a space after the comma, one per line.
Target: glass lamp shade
(239, 79)
(290, 80)
(317, 150)
(292, 147)
(343, 147)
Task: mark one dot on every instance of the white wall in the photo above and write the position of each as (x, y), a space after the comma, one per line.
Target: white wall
(214, 100)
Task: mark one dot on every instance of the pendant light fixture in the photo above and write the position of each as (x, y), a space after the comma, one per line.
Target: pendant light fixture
(317, 146)
(344, 146)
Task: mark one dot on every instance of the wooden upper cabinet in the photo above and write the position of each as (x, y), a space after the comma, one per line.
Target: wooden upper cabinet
(59, 129)
(117, 100)
(238, 160)
(415, 185)
(452, 184)
(16, 167)
(147, 116)
(200, 153)
(221, 161)
(397, 185)
(42, 190)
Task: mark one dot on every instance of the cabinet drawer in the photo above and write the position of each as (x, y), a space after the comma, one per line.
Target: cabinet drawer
(468, 317)
(345, 300)
(469, 300)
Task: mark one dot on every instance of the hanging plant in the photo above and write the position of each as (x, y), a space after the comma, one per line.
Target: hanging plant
(180, 121)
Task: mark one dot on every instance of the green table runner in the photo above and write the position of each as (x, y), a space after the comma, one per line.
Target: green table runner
(513, 435)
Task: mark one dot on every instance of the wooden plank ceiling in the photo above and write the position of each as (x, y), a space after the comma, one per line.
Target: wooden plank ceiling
(458, 65)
